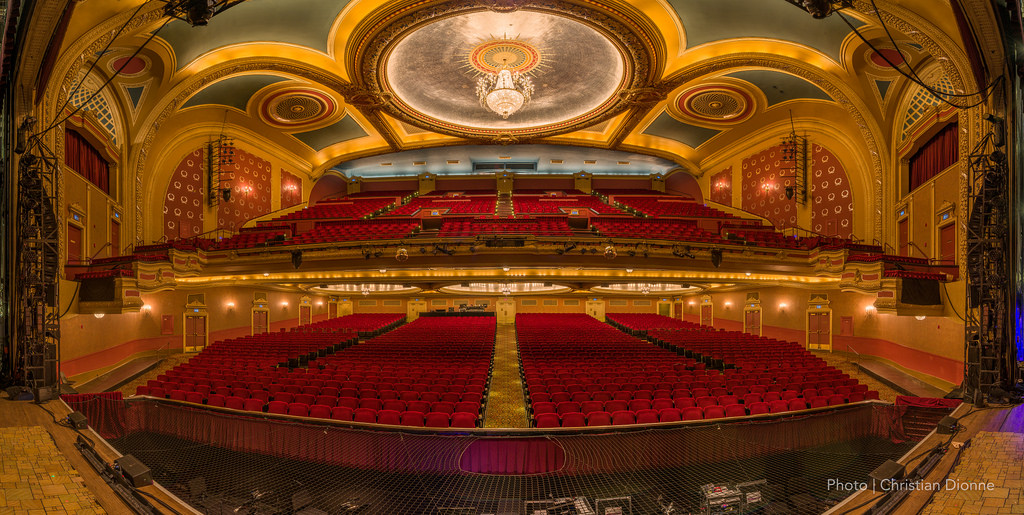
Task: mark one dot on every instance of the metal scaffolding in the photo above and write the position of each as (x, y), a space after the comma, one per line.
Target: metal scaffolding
(987, 334)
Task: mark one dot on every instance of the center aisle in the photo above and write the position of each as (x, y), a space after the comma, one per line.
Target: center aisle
(506, 406)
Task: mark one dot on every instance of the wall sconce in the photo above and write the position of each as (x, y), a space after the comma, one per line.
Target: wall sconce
(285, 303)
(869, 309)
(783, 306)
(920, 317)
(692, 303)
(147, 307)
(99, 315)
(230, 305)
(319, 303)
(727, 304)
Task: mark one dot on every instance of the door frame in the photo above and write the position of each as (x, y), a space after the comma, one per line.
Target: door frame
(705, 302)
(818, 305)
(753, 305)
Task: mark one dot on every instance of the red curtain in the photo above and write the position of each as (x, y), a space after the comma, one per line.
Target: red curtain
(939, 153)
(83, 158)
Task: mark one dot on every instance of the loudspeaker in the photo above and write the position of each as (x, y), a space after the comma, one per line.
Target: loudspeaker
(78, 420)
(137, 474)
(888, 471)
(946, 426)
(42, 394)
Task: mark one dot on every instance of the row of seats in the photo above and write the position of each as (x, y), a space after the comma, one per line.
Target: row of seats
(786, 366)
(345, 208)
(377, 229)
(670, 205)
(577, 350)
(530, 204)
(664, 229)
(462, 205)
(668, 414)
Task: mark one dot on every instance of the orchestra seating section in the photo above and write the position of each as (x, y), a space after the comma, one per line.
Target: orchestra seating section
(548, 204)
(758, 370)
(447, 204)
(581, 372)
(434, 369)
(471, 227)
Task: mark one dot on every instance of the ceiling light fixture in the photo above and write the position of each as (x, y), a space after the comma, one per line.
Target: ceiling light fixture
(504, 92)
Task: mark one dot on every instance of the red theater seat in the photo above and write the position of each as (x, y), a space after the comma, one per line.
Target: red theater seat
(669, 415)
(620, 418)
(464, 420)
(409, 418)
(320, 411)
(364, 415)
(574, 419)
(545, 420)
(298, 409)
(692, 413)
(735, 410)
(279, 407)
(435, 419)
(599, 418)
(646, 416)
(758, 408)
(715, 411)
(341, 413)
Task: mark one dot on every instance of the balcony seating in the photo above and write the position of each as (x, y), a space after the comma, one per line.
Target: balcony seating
(664, 229)
(475, 205)
(540, 204)
(338, 209)
(470, 227)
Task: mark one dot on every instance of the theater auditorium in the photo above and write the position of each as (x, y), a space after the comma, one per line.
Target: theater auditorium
(538, 257)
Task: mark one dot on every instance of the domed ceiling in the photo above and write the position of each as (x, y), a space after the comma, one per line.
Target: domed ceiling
(323, 82)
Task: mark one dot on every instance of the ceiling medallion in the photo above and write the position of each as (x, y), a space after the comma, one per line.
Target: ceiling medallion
(442, 68)
(504, 86)
(718, 103)
(297, 107)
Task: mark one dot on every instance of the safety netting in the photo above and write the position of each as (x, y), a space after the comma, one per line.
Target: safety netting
(224, 461)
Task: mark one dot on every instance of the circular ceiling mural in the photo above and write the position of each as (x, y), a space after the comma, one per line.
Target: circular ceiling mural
(488, 73)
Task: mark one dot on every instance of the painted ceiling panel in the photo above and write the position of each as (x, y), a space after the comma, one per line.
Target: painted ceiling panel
(460, 159)
(665, 126)
(780, 87)
(706, 21)
(233, 91)
(343, 130)
(304, 23)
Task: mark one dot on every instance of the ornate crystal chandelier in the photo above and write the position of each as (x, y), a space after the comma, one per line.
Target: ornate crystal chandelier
(504, 92)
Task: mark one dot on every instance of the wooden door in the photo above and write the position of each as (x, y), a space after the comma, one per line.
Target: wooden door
(665, 309)
(752, 322)
(259, 321)
(706, 315)
(678, 310)
(115, 239)
(332, 310)
(819, 328)
(947, 244)
(305, 315)
(74, 244)
(903, 230)
(195, 333)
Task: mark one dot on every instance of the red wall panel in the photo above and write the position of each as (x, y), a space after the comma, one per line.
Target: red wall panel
(183, 202)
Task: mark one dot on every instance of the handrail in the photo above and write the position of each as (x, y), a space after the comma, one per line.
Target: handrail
(923, 253)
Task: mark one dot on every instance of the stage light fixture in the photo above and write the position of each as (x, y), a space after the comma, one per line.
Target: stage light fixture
(610, 252)
(296, 258)
(716, 257)
(401, 254)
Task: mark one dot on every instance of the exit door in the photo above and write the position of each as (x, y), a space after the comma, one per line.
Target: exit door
(707, 315)
(305, 315)
(665, 309)
(260, 324)
(332, 310)
(819, 331)
(195, 333)
(752, 322)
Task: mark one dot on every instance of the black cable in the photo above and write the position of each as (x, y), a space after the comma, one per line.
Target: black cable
(159, 500)
(951, 306)
(72, 303)
(102, 52)
(35, 137)
(986, 92)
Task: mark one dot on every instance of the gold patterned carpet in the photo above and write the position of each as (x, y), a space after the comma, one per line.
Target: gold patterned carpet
(506, 405)
(36, 478)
